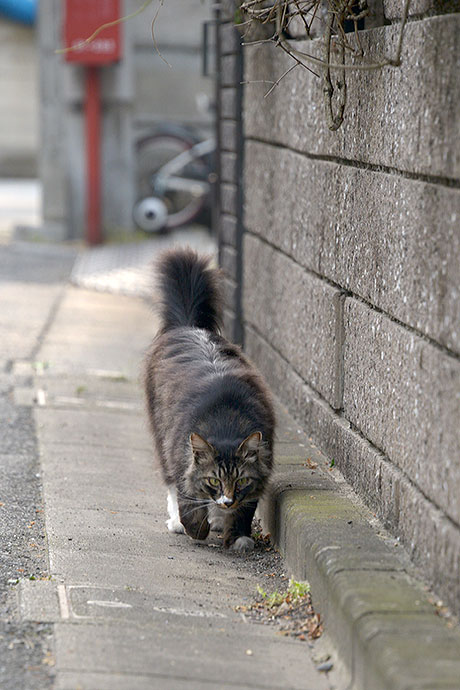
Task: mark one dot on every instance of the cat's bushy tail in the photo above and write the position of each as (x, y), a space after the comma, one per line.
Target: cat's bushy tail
(189, 291)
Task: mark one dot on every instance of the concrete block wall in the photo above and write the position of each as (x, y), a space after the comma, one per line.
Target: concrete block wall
(351, 271)
(230, 165)
(170, 91)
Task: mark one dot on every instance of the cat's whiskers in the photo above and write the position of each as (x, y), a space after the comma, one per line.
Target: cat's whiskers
(194, 509)
(193, 499)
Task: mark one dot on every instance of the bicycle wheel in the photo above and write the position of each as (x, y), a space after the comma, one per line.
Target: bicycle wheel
(150, 214)
(155, 151)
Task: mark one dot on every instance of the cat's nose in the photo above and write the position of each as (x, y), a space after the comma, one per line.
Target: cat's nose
(225, 501)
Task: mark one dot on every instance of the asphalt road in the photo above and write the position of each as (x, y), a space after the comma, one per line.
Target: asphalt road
(31, 279)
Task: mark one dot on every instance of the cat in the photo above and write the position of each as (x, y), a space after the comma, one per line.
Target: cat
(210, 412)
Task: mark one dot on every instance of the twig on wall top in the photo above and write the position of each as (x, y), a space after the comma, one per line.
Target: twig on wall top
(275, 18)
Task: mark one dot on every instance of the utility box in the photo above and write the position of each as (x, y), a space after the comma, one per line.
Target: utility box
(81, 19)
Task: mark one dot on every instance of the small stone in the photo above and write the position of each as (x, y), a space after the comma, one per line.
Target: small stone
(249, 652)
(324, 668)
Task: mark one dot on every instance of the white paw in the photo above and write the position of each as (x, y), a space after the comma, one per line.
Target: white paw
(243, 544)
(175, 526)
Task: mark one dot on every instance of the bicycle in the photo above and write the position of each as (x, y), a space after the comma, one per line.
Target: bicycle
(175, 178)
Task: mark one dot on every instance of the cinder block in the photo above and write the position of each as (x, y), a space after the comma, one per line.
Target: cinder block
(228, 261)
(229, 103)
(282, 203)
(228, 170)
(432, 540)
(229, 70)
(228, 194)
(403, 394)
(393, 241)
(227, 10)
(230, 39)
(393, 9)
(228, 135)
(228, 229)
(299, 314)
(313, 414)
(273, 367)
(229, 289)
(404, 117)
(229, 324)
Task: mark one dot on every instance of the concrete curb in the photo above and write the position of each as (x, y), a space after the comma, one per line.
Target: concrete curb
(385, 629)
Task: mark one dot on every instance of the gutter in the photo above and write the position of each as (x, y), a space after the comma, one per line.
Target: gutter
(385, 629)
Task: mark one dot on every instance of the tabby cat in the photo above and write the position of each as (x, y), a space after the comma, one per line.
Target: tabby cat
(211, 414)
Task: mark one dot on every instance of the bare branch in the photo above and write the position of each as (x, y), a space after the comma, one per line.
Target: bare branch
(282, 77)
(152, 28)
(281, 13)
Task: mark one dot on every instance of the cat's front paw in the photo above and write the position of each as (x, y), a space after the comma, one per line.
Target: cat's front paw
(175, 526)
(243, 545)
(197, 532)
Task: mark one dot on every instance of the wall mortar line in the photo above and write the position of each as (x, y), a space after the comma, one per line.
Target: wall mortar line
(450, 182)
(339, 348)
(412, 329)
(340, 417)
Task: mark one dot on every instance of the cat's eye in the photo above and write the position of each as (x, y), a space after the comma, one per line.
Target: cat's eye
(213, 481)
(243, 481)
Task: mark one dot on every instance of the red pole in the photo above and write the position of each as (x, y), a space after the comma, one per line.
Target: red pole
(93, 155)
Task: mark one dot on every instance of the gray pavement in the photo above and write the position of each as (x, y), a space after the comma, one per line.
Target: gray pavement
(31, 284)
(126, 268)
(122, 604)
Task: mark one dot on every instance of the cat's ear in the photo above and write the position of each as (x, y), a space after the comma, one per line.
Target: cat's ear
(200, 447)
(251, 444)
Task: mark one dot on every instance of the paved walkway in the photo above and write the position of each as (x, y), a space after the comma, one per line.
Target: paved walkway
(132, 606)
(126, 268)
(20, 205)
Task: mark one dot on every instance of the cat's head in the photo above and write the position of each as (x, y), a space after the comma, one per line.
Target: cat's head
(227, 473)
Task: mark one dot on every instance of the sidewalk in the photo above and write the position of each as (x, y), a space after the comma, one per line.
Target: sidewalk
(131, 606)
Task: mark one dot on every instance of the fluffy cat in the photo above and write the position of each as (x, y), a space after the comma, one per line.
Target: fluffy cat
(211, 414)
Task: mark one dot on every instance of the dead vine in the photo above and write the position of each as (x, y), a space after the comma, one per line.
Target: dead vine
(330, 18)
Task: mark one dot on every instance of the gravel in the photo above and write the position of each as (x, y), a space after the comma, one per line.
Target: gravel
(25, 651)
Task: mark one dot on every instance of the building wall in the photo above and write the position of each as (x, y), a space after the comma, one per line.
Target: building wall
(62, 160)
(137, 93)
(168, 80)
(351, 272)
(19, 100)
